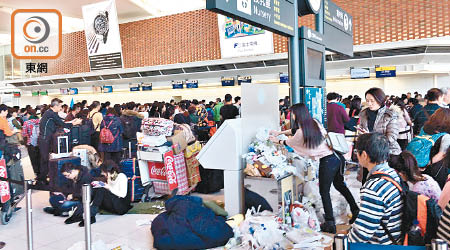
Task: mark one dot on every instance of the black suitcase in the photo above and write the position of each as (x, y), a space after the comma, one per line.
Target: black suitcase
(15, 172)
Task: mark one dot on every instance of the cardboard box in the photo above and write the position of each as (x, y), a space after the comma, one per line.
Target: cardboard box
(179, 142)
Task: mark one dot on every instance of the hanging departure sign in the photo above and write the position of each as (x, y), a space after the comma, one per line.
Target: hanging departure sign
(277, 16)
(338, 29)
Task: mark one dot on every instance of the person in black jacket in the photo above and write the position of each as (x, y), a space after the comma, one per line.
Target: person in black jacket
(70, 195)
(48, 124)
(131, 122)
(434, 97)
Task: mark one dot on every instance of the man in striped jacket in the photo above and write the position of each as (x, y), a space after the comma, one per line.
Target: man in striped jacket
(381, 201)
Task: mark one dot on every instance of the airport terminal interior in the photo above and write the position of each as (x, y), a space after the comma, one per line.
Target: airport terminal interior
(224, 124)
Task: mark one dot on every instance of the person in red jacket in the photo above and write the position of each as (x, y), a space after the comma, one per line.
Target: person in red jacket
(336, 115)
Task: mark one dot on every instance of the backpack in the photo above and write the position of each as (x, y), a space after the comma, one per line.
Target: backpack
(415, 207)
(421, 145)
(129, 127)
(106, 136)
(90, 122)
(34, 135)
(86, 132)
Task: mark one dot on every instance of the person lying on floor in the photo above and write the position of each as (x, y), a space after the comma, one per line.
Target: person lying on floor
(62, 202)
(111, 196)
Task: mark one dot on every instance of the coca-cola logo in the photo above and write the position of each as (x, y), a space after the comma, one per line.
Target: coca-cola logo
(157, 171)
(171, 175)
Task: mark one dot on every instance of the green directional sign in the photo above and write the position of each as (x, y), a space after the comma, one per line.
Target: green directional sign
(277, 16)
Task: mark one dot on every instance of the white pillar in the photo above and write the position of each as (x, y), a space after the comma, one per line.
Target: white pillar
(435, 81)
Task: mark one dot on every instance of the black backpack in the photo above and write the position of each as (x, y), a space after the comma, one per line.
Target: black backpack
(416, 207)
(212, 181)
(129, 127)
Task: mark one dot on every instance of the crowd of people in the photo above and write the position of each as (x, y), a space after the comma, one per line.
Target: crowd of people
(38, 129)
(384, 128)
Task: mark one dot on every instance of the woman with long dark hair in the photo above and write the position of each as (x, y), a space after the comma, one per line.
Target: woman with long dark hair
(309, 141)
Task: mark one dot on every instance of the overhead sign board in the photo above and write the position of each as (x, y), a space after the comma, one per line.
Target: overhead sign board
(386, 72)
(338, 29)
(337, 17)
(277, 16)
(359, 73)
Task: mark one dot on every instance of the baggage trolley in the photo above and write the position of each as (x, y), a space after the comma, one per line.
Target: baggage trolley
(11, 190)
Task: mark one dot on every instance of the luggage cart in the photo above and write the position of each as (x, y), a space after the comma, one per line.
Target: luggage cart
(11, 190)
(158, 171)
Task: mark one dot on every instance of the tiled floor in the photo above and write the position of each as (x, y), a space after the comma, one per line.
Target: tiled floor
(50, 232)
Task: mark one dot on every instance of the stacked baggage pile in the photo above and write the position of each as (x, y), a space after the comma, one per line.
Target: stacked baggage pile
(166, 156)
(11, 193)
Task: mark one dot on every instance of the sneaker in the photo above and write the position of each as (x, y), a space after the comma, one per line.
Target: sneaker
(354, 216)
(328, 227)
(49, 210)
(73, 219)
(82, 221)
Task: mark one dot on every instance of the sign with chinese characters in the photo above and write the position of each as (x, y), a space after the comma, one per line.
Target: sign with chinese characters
(244, 79)
(386, 72)
(177, 84)
(284, 78)
(193, 84)
(227, 81)
(337, 29)
(36, 68)
(337, 17)
(241, 39)
(102, 35)
(146, 86)
(277, 16)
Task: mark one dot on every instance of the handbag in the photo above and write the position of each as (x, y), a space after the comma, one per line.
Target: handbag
(337, 142)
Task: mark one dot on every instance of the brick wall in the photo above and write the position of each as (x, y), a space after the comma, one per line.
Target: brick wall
(193, 36)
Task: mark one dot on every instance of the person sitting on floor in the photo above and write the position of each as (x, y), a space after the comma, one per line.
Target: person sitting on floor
(111, 196)
(63, 202)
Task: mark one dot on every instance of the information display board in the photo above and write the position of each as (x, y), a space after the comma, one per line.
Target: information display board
(277, 16)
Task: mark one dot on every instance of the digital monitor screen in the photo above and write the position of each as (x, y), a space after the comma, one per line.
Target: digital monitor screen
(315, 64)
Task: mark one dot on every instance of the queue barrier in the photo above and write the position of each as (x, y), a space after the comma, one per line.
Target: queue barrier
(28, 184)
(341, 243)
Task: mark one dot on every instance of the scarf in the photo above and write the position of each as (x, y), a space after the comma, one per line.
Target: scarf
(371, 118)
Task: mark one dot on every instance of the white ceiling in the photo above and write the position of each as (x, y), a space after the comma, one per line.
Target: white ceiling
(128, 10)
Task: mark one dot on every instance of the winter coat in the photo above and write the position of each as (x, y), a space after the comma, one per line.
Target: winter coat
(186, 224)
(137, 120)
(117, 131)
(403, 122)
(386, 123)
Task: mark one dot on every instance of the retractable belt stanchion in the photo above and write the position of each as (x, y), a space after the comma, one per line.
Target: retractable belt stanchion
(438, 244)
(27, 185)
(340, 242)
(87, 215)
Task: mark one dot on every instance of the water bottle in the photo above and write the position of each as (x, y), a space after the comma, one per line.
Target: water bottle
(415, 235)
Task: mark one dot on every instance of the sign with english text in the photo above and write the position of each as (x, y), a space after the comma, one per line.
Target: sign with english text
(273, 15)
